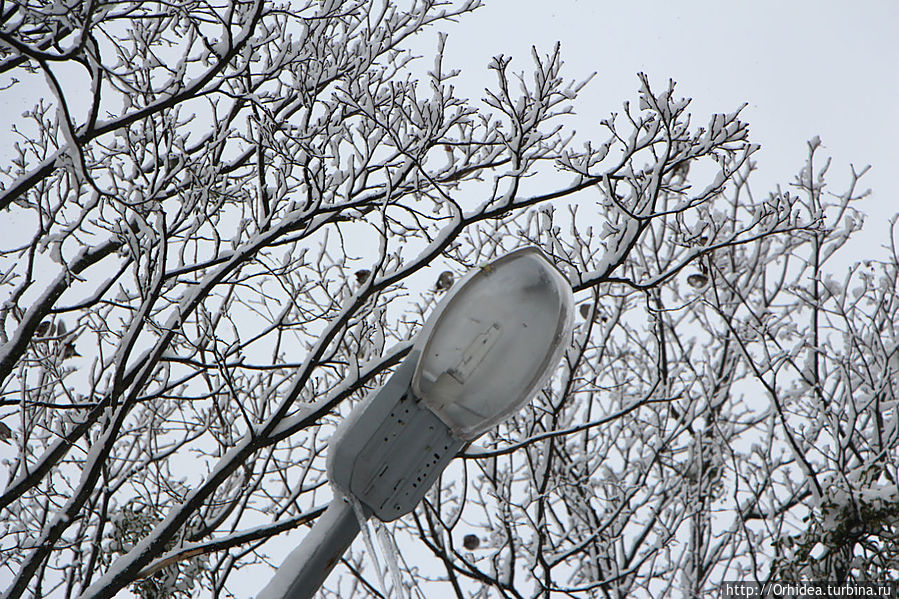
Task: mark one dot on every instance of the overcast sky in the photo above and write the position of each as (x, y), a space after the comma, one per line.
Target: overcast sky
(804, 67)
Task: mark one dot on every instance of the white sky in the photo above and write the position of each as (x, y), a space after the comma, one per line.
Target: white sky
(804, 67)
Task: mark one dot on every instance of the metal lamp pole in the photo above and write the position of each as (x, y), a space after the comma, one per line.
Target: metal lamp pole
(307, 566)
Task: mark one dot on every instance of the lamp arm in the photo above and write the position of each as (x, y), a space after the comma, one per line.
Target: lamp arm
(307, 566)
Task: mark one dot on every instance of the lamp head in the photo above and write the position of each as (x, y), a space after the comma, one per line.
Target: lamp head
(488, 346)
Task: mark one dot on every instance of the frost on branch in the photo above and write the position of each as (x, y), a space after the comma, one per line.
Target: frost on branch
(231, 220)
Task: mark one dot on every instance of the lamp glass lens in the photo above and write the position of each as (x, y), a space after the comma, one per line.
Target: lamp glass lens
(493, 341)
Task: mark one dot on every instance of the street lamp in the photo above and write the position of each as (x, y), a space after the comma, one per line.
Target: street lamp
(488, 346)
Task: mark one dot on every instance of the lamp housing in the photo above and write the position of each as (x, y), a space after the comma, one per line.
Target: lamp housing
(490, 343)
